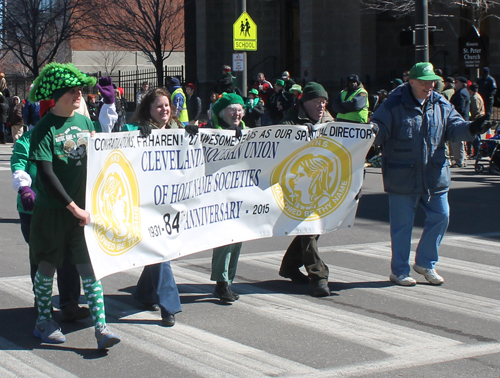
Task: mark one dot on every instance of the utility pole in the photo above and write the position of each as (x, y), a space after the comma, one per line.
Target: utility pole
(245, 68)
(421, 31)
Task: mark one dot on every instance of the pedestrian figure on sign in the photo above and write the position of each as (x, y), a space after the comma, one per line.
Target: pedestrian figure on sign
(242, 28)
(247, 27)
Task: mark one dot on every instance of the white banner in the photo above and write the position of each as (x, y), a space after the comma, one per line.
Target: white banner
(173, 194)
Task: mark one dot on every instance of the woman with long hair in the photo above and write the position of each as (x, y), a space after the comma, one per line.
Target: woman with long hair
(156, 288)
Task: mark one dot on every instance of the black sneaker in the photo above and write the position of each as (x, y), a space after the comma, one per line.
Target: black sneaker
(321, 289)
(295, 275)
(224, 293)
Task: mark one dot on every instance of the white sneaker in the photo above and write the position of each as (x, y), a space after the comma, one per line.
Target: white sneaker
(49, 331)
(403, 280)
(430, 274)
(105, 338)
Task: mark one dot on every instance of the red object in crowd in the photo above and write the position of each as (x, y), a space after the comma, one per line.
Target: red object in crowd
(45, 106)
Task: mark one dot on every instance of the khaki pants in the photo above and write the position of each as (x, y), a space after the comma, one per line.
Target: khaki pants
(17, 132)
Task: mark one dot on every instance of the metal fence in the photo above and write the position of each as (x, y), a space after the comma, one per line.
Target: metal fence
(131, 81)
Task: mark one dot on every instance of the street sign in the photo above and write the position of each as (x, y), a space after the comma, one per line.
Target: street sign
(245, 33)
(473, 50)
(238, 62)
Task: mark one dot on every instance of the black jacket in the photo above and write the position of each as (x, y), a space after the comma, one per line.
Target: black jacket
(4, 112)
(461, 101)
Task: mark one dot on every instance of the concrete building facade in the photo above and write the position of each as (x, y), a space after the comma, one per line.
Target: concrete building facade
(323, 40)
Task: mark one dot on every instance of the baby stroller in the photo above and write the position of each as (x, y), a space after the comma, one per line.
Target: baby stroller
(488, 155)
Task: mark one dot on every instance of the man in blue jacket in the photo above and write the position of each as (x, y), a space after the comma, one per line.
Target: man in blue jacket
(487, 89)
(412, 127)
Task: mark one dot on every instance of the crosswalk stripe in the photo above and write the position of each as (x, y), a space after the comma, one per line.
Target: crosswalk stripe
(416, 357)
(446, 264)
(205, 353)
(17, 362)
(481, 244)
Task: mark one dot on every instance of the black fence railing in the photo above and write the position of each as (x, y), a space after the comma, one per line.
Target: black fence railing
(131, 81)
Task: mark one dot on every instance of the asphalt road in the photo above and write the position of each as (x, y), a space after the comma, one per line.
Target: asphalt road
(368, 327)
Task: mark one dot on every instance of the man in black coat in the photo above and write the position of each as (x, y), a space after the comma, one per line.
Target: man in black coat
(193, 103)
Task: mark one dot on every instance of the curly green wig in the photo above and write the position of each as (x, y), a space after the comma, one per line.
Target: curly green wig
(56, 76)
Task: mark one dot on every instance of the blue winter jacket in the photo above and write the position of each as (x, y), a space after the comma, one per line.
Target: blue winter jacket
(413, 141)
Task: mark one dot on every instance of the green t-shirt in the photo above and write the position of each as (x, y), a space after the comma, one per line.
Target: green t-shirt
(62, 141)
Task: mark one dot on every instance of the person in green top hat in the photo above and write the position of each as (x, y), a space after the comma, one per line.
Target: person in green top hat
(59, 149)
(24, 182)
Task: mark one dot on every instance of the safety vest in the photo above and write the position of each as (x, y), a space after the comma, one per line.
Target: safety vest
(183, 116)
(359, 116)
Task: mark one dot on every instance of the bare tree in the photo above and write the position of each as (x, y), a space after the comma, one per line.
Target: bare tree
(479, 9)
(154, 27)
(36, 30)
(109, 60)
(14, 66)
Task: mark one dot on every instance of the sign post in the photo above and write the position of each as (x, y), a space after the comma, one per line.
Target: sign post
(244, 39)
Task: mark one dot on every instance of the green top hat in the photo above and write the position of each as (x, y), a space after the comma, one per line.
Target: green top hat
(57, 76)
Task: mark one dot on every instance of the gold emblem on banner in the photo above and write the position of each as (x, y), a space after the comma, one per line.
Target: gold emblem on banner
(313, 181)
(115, 202)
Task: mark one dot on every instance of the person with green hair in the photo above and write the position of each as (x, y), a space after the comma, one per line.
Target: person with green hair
(59, 149)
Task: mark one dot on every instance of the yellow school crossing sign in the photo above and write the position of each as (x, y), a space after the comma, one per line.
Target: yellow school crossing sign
(245, 33)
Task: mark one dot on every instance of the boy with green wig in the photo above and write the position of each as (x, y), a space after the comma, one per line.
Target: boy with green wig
(59, 149)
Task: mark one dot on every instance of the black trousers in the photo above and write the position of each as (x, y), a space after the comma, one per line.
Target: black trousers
(304, 251)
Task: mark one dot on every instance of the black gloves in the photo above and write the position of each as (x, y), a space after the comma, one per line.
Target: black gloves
(145, 130)
(480, 125)
(191, 129)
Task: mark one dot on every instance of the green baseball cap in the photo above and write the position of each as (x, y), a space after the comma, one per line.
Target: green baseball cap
(280, 83)
(423, 71)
